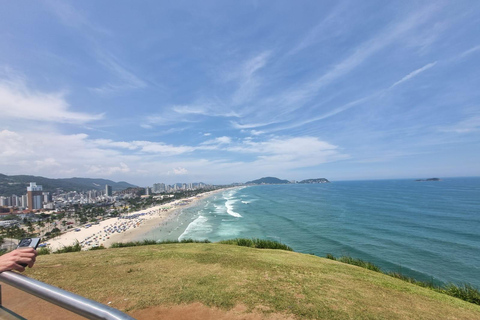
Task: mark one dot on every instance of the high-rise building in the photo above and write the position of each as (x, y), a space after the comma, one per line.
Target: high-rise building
(158, 187)
(16, 201)
(47, 197)
(108, 190)
(24, 201)
(34, 195)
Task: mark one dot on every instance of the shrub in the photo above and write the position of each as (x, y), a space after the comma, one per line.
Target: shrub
(101, 247)
(359, 263)
(257, 243)
(75, 248)
(43, 250)
(465, 292)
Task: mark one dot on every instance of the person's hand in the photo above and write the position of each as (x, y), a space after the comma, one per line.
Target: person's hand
(12, 260)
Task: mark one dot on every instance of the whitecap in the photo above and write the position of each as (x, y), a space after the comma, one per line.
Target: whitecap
(229, 205)
(198, 225)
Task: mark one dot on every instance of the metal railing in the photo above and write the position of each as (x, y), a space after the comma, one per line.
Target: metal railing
(62, 298)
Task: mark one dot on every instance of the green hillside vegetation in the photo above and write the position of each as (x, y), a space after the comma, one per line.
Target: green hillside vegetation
(18, 184)
(264, 281)
(268, 180)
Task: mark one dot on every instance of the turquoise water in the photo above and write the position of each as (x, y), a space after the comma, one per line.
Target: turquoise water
(427, 230)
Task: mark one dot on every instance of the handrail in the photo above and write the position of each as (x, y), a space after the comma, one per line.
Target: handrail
(65, 299)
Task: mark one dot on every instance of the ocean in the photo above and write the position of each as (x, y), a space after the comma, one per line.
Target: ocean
(426, 230)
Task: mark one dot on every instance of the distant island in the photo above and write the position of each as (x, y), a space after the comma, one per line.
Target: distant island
(268, 180)
(429, 179)
(319, 180)
(273, 180)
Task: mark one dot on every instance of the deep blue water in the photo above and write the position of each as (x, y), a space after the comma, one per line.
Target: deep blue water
(427, 230)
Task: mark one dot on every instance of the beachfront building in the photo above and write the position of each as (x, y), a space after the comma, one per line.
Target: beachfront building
(34, 196)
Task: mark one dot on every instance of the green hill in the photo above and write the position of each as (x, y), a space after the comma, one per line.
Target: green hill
(268, 180)
(18, 184)
(263, 282)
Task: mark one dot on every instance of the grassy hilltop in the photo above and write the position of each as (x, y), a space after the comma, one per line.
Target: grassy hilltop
(261, 282)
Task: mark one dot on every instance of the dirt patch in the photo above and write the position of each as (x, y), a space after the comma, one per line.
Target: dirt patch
(198, 311)
(31, 307)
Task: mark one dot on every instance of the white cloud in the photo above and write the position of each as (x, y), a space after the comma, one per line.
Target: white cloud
(17, 101)
(107, 170)
(144, 146)
(146, 126)
(51, 154)
(289, 152)
(55, 155)
(218, 141)
(180, 171)
(47, 163)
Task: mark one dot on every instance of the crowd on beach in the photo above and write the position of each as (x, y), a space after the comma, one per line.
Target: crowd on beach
(123, 224)
(124, 228)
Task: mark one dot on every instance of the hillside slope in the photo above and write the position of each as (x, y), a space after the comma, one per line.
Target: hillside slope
(18, 184)
(255, 281)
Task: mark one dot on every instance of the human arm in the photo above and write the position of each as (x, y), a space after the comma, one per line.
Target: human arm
(13, 259)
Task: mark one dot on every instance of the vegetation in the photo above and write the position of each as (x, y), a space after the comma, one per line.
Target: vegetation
(13, 232)
(257, 243)
(74, 248)
(278, 283)
(17, 184)
(43, 251)
(101, 247)
(151, 242)
(465, 292)
(268, 180)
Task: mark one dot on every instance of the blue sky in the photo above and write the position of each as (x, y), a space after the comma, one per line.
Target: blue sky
(230, 91)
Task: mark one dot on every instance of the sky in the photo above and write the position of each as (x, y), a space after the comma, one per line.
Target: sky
(231, 91)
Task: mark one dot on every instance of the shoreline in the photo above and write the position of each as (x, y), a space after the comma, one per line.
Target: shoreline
(128, 228)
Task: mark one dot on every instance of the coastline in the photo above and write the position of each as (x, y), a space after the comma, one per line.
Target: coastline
(127, 228)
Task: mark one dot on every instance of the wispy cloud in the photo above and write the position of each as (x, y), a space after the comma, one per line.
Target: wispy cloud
(414, 74)
(125, 79)
(469, 125)
(73, 18)
(470, 51)
(204, 109)
(295, 98)
(328, 27)
(248, 79)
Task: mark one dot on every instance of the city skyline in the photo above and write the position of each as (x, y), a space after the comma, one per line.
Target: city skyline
(223, 92)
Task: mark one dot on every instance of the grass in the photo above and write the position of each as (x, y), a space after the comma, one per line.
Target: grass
(257, 243)
(464, 292)
(152, 242)
(224, 276)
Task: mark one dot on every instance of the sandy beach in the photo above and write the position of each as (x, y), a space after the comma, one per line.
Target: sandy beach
(125, 228)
